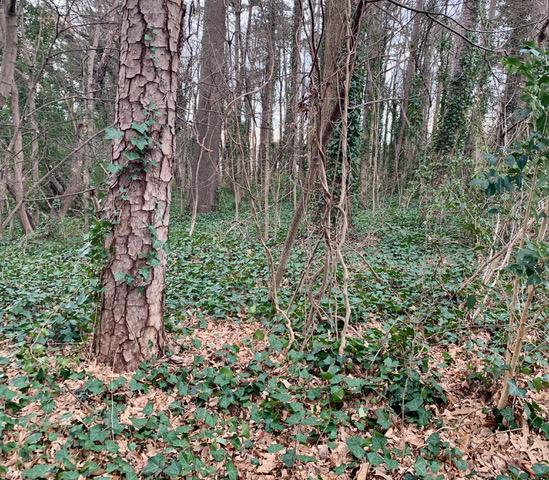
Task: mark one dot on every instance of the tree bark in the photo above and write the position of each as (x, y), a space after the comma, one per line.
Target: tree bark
(9, 56)
(409, 76)
(204, 165)
(84, 129)
(15, 151)
(265, 136)
(130, 326)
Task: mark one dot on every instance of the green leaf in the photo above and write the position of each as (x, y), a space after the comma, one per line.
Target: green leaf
(276, 343)
(355, 445)
(112, 133)
(289, 458)
(375, 459)
(140, 143)
(232, 472)
(142, 128)
(415, 404)
(173, 469)
(114, 168)
(390, 463)
(132, 155)
(515, 390)
(155, 465)
(337, 394)
(258, 334)
(275, 448)
(40, 470)
(383, 419)
(98, 433)
(540, 469)
(420, 467)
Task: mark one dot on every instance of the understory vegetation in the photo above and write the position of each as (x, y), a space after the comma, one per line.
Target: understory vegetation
(419, 368)
(274, 239)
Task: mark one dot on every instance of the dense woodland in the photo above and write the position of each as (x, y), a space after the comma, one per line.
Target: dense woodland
(259, 239)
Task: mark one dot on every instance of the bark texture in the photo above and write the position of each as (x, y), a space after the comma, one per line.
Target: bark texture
(9, 54)
(204, 173)
(16, 184)
(131, 328)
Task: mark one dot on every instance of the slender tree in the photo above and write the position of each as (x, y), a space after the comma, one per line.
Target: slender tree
(332, 89)
(204, 168)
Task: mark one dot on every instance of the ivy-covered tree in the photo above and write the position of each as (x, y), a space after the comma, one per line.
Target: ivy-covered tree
(130, 327)
(452, 126)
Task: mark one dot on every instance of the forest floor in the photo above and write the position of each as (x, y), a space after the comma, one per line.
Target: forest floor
(411, 399)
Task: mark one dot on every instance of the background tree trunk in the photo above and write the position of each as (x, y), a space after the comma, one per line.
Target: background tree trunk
(204, 167)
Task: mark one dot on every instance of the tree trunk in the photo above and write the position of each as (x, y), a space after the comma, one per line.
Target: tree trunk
(404, 123)
(332, 88)
(204, 167)
(84, 129)
(290, 151)
(453, 127)
(130, 326)
(9, 54)
(519, 15)
(15, 151)
(265, 136)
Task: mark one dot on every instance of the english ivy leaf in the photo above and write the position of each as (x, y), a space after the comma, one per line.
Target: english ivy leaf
(337, 394)
(420, 467)
(119, 276)
(289, 458)
(132, 155)
(38, 471)
(232, 472)
(355, 446)
(155, 465)
(276, 343)
(98, 433)
(415, 404)
(142, 128)
(74, 475)
(390, 463)
(140, 143)
(383, 419)
(112, 133)
(173, 469)
(515, 390)
(375, 459)
(540, 469)
(275, 448)
(114, 168)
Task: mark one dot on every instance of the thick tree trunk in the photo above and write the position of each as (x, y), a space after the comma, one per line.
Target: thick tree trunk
(130, 327)
(204, 167)
(376, 41)
(452, 128)
(9, 54)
